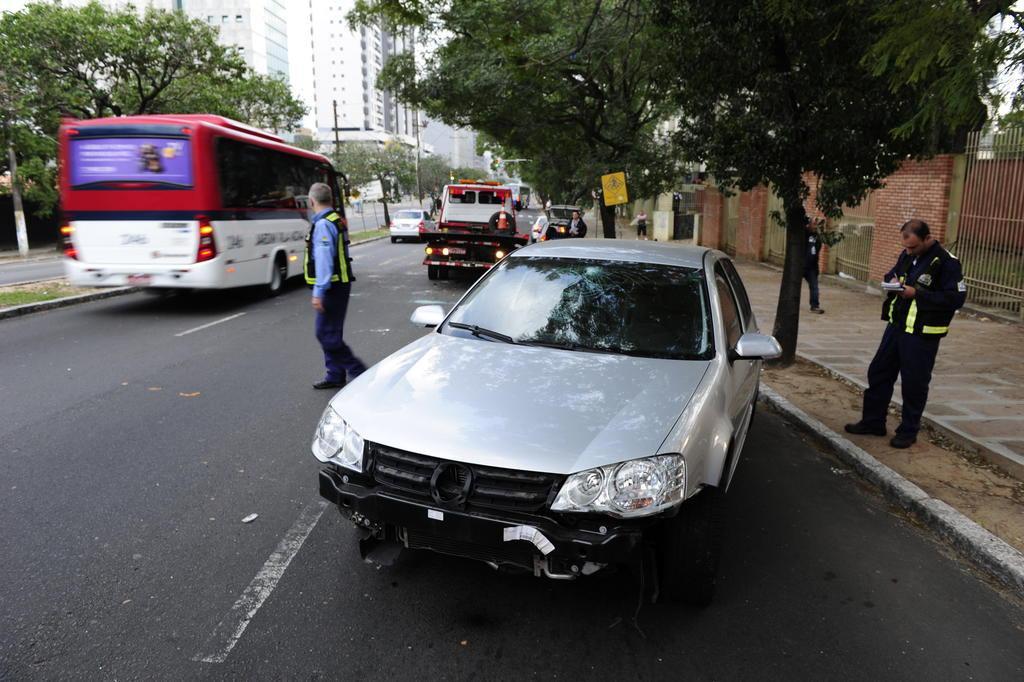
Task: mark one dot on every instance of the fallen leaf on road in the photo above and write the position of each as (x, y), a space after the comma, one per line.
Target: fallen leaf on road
(124, 383)
(154, 388)
(250, 518)
(189, 395)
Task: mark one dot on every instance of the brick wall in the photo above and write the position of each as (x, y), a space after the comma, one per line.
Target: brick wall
(712, 228)
(750, 232)
(919, 189)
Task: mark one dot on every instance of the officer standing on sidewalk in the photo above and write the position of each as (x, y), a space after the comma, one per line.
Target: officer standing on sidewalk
(925, 288)
(328, 269)
(811, 255)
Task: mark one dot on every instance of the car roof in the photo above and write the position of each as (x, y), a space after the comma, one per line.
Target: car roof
(638, 251)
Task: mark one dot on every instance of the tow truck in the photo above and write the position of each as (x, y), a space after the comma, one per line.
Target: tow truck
(476, 228)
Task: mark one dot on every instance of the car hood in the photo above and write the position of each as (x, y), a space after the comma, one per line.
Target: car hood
(518, 407)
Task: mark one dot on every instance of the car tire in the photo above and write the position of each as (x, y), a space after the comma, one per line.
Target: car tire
(278, 276)
(443, 271)
(432, 271)
(394, 240)
(689, 550)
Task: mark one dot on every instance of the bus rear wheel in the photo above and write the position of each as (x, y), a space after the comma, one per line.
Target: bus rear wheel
(278, 275)
(432, 272)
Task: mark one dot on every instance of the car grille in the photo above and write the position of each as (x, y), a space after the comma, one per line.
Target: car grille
(491, 487)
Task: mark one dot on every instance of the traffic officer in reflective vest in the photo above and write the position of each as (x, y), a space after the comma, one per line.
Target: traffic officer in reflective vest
(924, 289)
(328, 269)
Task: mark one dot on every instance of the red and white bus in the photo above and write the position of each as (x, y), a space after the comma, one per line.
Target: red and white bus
(184, 201)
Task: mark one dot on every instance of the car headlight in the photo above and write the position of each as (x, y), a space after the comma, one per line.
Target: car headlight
(336, 442)
(639, 487)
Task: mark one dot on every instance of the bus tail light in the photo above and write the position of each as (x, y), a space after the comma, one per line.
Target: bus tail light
(207, 246)
(65, 242)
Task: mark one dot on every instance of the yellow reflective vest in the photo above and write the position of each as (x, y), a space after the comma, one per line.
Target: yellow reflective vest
(341, 261)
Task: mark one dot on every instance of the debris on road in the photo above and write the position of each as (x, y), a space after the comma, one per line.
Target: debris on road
(250, 518)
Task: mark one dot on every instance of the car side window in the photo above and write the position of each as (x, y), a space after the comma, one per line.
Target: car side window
(746, 312)
(730, 311)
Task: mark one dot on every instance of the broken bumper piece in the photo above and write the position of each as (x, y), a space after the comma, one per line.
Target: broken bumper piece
(500, 538)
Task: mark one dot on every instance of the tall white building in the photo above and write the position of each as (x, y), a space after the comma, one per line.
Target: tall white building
(343, 65)
(258, 28)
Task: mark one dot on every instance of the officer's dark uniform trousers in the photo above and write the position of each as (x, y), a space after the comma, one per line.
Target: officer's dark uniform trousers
(911, 356)
(338, 357)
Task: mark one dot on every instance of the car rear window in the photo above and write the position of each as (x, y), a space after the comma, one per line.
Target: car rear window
(410, 215)
(642, 309)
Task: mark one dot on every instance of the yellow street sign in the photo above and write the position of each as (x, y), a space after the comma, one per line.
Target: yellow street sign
(614, 186)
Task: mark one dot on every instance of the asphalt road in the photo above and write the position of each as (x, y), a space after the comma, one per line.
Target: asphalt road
(13, 270)
(134, 439)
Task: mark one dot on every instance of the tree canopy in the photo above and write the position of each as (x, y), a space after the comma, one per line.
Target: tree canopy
(91, 62)
(575, 86)
(760, 91)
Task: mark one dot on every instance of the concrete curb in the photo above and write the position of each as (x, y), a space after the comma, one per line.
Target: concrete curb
(367, 241)
(19, 310)
(979, 545)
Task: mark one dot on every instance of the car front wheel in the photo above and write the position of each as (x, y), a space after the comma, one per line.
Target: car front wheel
(689, 549)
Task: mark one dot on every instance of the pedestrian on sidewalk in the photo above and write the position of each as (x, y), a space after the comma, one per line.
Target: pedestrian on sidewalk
(328, 269)
(811, 252)
(577, 228)
(641, 224)
(924, 290)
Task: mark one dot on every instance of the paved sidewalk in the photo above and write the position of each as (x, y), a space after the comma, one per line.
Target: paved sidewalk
(977, 389)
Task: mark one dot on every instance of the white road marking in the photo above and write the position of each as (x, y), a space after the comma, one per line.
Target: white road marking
(226, 635)
(209, 324)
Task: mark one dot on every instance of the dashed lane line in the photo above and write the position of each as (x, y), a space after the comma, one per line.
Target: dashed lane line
(209, 324)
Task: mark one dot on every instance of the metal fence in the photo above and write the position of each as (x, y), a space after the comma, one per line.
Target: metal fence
(775, 231)
(854, 251)
(990, 234)
(732, 221)
(857, 226)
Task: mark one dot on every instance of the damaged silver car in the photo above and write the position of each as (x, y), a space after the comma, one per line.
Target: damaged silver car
(584, 405)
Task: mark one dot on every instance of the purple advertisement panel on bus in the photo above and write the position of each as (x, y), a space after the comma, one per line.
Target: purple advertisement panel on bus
(131, 159)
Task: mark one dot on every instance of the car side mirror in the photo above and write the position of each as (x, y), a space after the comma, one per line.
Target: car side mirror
(427, 316)
(754, 346)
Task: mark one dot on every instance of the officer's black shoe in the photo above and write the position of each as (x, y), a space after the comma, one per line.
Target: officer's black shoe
(324, 383)
(903, 440)
(862, 429)
(817, 311)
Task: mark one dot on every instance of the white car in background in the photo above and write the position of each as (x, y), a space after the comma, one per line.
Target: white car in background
(410, 224)
(640, 365)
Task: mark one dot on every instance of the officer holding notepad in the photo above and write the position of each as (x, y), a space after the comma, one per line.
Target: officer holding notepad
(923, 291)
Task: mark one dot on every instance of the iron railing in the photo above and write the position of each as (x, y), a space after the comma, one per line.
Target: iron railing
(990, 234)
(854, 252)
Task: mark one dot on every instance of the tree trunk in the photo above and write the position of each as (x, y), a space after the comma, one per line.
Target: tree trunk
(607, 219)
(384, 201)
(19, 211)
(787, 313)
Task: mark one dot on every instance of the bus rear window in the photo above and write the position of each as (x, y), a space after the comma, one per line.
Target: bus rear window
(150, 160)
